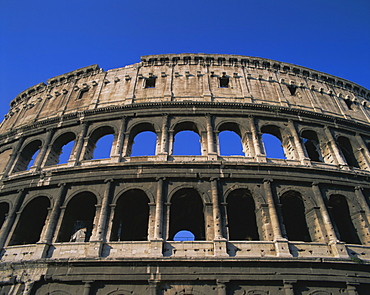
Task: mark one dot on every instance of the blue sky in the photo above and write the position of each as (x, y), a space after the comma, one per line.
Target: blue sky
(42, 39)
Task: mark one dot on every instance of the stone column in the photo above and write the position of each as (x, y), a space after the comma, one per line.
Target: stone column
(163, 151)
(365, 214)
(117, 153)
(87, 287)
(210, 140)
(10, 166)
(75, 158)
(9, 221)
(170, 141)
(333, 146)
(259, 154)
(363, 151)
(44, 148)
(167, 220)
(104, 210)
(288, 287)
(221, 287)
(126, 149)
(59, 224)
(50, 229)
(153, 287)
(216, 211)
(298, 144)
(351, 288)
(159, 211)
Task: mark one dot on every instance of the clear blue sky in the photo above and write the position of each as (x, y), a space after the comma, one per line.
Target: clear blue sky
(42, 39)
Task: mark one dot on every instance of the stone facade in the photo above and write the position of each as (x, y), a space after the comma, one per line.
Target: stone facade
(296, 225)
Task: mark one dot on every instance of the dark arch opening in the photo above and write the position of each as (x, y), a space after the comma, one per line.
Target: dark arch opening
(78, 218)
(347, 151)
(272, 141)
(100, 144)
(4, 209)
(131, 217)
(186, 213)
(311, 143)
(339, 210)
(293, 211)
(230, 142)
(28, 156)
(61, 149)
(187, 140)
(31, 222)
(241, 216)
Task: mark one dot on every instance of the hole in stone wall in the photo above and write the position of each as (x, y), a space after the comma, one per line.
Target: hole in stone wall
(150, 82)
(346, 148)
(4, 209)
(144, 144)
(311, 143)
(230, 143)
(271, 139)
(28, 156)
(224, 81)
(184, 235)
(187, 142)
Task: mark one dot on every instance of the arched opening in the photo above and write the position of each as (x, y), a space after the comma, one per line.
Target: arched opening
(186, 213)
(100, 144)
(312, 146)
(28, 156)
(131, 217)
(230, 143)
(184, 235)
(339, 210)
(187, 140)
(272, 141)
(31, 222)
(4, 209)
(347, 151)
(61, 149)
(294, 219)
(77, 223)
(144, 144)
(241, 216)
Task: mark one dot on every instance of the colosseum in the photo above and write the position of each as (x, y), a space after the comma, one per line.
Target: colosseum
(257, 224)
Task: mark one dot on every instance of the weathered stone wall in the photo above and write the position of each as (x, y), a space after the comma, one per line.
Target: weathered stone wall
(303, 227)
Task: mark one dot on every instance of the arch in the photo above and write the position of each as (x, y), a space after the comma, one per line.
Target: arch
(100, 143)
(77, 224)
(31, 222)
(230, 143)
(346, 148)
(142, 140)
(131, 217)
(272, 142)
(294, 219)
(340, 213)
(184, 235)
(241, 216)
(28, 156)
(4, 210)
(61, 149)
(312, 146)
(186, 213)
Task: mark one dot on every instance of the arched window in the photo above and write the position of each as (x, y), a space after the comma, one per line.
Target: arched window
(131, 217)
(184, 235)
(186, 213)
(241, 216)
(31, 222)
(272, 141)
(4, 209)
(100, 144)
(347, 151)
(230, 143)
(342, 219)
(187, 142)
(28, 156)
(61, 149)
(77, 224)
(293, 212)
(312, 146)
(144, 144)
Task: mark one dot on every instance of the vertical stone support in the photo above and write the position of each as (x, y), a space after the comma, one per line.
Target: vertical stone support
(281, 244)
(126, 150)
(259, 154)
(28, 287)
(167, 220)
(351, 288)
(53, 220)
(171, 140)
(288, 287)
(221, 287)
(87, 288)
(45, 147)
(363, 151)
(159, 210)
(334, 148)
(298, 144)
(210, 140)
(59, 224)
(153, 287)
(75, 157)
(12, 161)
(163, 151)
(116, 155)
(104, 211)
(9, 221)
(365, 215)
